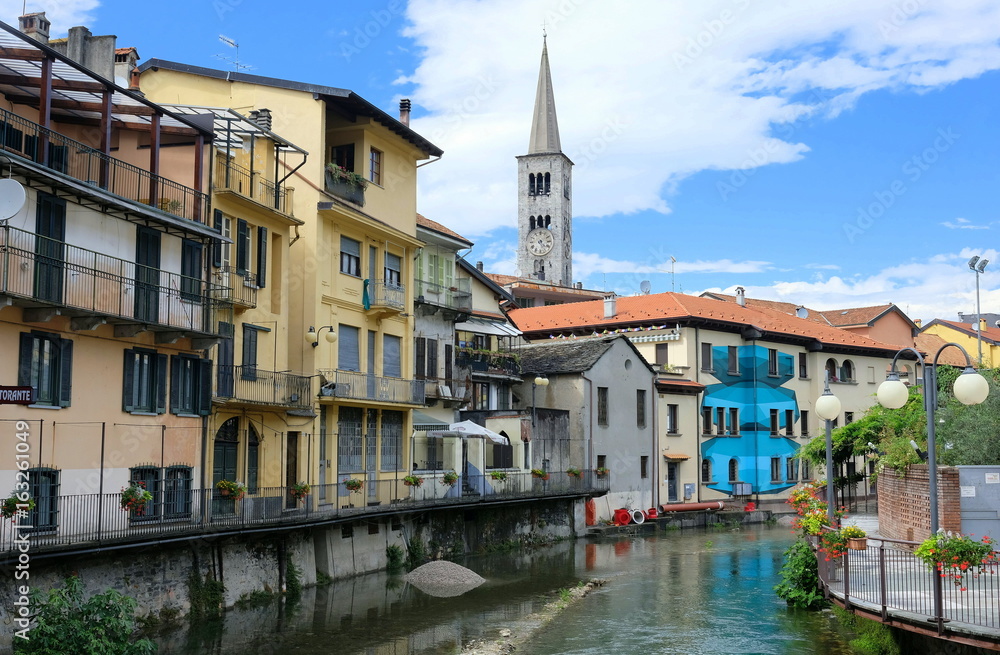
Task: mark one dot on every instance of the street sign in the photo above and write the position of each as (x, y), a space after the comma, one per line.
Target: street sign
(17, 395)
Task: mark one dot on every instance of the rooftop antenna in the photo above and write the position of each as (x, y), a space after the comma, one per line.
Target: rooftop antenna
(673, 260)
(237, 66)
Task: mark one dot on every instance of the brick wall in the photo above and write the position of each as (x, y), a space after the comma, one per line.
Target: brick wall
(904, 500)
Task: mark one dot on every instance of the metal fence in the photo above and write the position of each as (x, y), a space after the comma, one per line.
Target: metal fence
(362, 386)
(887, 579)
(260, 386)
(99, 520)
(79, 161)
(386, 294)
(235, 287)
(253, 185)
(458, 297)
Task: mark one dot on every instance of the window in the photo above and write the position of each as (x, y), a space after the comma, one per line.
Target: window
(734, 470)
(602, 406)
(480, 395)
(350, 256)
(248, 371)
(191, 276)
(706, 471)
(871, 375)
(147, 477)
(190, 385)
(661, 354)
(391, 362)
(847, 371)
(772, 361)
(706, 357)
(261, 257)
(343, 156)
(775, 469)
(720, 420)
(349, 439)
(804, 422)
(45, 363)
(644, 466)
(531, 190)
(831, 370)
(806, 472)
(548, 183)
(602, 461)
(393, 268)
(348, 353)
(792, 469)
(392, 439)
(848, 417)
(144, 386)
(774, 422)
(253, 458)
(432, 359)
(734, 421)
(44, 489)
(177, 492)
(734, 361)
(375, 167)
(640, 408)
(803, 365)
(672, 427)
(706, 420)
(789, 422)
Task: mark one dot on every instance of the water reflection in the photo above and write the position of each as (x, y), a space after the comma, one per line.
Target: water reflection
(683, 592)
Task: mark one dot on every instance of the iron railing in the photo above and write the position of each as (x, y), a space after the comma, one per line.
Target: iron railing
(234, 287)
(458, 298)
(41, 269)
(65, 155)
(386, 294)
(98, 519)
(253, 185)
(258, 386)
(888, 580)
(362, 386)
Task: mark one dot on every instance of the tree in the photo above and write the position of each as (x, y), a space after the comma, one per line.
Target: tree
(970, 434)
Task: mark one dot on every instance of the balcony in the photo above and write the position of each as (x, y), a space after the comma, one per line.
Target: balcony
(256, 386)
(39, 272)
(81, 162)
(239, 289)
(230, 176)
(385, 297)
(345, 190)
(496, 362)
(457, 298)
(354, 385)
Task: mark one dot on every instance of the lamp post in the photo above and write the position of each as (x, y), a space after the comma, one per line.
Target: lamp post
(539, 381)
(978, 268)
(828, 408)
(312, 336)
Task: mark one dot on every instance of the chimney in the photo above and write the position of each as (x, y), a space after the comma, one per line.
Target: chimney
(918, 322)
(741, 298)
(479, 266)
(610, 306)
(579, 285)
(982, 324)
(133, 81)
(263, 118)
(35, 25)
(404, 111)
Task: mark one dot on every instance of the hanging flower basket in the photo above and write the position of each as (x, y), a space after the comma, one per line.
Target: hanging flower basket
(134, 498)
(353, 485)
(540, 474)
(449, 478)
(299, 491)
(413, 481)
(602, 471)
(231, 489)
(574, 472)
(499, 476)
(9, 507)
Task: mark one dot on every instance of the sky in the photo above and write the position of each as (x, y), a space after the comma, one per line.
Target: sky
(826, 153)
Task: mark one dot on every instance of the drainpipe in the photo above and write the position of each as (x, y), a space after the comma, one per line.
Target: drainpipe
(657, 466)
(589, 424)
(756, 442)
(701, 399)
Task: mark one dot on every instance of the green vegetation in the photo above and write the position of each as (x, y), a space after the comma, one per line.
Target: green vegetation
(65, 622)
(799, 586)
(256, 598)
(205, 596)
(394, 558)
(293, 582)
(324, 580)
(417, 553)
(873, 638)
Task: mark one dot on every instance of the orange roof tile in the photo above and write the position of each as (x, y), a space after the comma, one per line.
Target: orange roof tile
(653, 308)
(777, 305)
(990, 334)
(425, 222)
(502, 279)
(856, 315)
(930, 344)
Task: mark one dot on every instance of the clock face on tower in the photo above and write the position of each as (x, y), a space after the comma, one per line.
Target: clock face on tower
(540, 241)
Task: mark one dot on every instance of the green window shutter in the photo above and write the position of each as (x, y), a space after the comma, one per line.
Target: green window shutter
(128, 401)
(419, 355)
(24, 360)
(175, 382)
(261, 257)
(217, 243)
(242, 246)
(203, 398)
(65, 372)
(161, 384)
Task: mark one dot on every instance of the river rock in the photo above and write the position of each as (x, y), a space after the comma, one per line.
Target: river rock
(444, 579)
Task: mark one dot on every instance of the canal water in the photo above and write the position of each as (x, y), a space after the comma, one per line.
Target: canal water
(691, 592)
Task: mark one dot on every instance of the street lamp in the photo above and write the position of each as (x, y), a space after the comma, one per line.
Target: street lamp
(312, 336)
(828, 408)
(539, 381)
(977, 269)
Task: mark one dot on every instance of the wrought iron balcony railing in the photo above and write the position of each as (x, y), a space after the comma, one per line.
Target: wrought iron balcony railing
(60, 153)
(240, 289)
(386, 295)
(39, 269)
(233, 177)
(362, 386)
(458, 298)
(257, 386)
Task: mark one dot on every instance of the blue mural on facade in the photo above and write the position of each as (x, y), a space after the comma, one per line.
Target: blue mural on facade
(751, 387)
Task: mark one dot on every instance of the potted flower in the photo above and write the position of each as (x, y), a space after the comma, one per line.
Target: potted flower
(574, 472)
(499, 476)
(299, 491)
(231, 489)
(857, 539)
(602, 471)
(540, 474)
(8, 509)
(954, 555)
(353, 485)
(413, 480)
(134, 497)
(350, 178)
(449, 478)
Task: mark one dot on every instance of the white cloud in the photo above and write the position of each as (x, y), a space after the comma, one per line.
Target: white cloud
(964, 224)
(650, 92)
(823, 267)
(62, 15)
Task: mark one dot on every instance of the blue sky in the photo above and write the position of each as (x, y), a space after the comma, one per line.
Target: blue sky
(825, 153)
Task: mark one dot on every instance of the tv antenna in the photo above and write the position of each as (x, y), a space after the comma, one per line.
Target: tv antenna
(235, 61)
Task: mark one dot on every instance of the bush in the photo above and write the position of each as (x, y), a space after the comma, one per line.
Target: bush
(799, 586)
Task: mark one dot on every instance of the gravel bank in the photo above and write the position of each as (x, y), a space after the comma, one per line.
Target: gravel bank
(444, 579)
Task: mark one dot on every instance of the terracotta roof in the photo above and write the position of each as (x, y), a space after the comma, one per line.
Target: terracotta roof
(856, 315)
(125, 51)
(930, 344)
(502, 279)
(493, 315)
(990, 334)
(651, 309)
(777, 305)
(425, 222)
(837, 317)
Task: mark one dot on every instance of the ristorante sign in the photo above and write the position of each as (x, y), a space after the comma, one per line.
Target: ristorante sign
(17, 395)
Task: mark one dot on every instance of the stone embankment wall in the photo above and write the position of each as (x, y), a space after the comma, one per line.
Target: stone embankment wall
(904, 498)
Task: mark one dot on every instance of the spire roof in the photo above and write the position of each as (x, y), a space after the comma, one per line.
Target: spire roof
(544, 126)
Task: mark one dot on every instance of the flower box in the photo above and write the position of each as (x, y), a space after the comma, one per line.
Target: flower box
(858, 543)
(340, 186)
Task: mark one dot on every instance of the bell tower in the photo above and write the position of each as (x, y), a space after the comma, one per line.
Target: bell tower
(545, 194)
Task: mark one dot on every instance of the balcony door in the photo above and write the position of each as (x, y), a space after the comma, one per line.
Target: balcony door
(291, 467)
(224, 460)
(50, 253)
(147, 275)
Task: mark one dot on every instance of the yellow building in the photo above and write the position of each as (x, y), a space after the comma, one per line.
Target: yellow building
(349, 270)
(969, 338)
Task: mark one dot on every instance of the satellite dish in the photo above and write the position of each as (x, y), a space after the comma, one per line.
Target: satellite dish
(644, 286)
(11, 198)
(517, 272)
(802, 312)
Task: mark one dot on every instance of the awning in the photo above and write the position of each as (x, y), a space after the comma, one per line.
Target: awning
(488, 327)
(422, 421)
(474, 429)
(675, 457)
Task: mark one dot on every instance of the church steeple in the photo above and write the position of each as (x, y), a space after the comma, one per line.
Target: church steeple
(544, 126)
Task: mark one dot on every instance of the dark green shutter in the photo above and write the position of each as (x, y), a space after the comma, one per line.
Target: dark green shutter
(242, 241)
(128, 401)
(203, 392)
(175, 383)
(24, 361)
(419, 356)
(161, 384)
(217, 243)
(65, 372)
(261, 257)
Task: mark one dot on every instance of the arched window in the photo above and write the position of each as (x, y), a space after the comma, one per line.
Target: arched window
(531, 184)
(532, 219)
(847, 371)
(706, 470)
(548, 182)
(734, 470)
(548, 220)
(539, 270)
(224, 455)
(831, 369)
